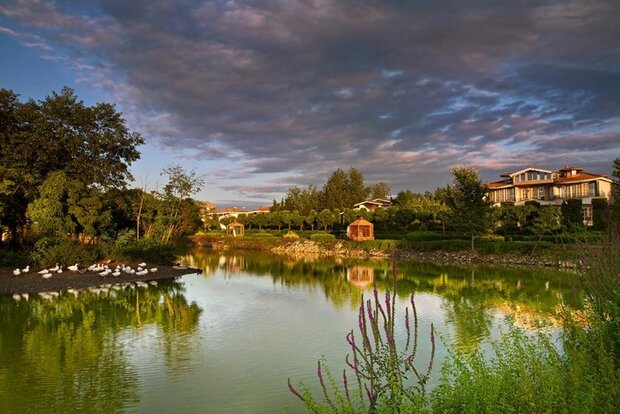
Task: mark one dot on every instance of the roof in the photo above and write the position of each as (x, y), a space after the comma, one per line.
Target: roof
(499, 184)
(582, 176)
(526, 170)
(235, 224)
(375, 201)
(361, 222)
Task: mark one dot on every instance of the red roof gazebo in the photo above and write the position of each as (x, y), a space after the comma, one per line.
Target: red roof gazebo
(235, 229)
(361, 230)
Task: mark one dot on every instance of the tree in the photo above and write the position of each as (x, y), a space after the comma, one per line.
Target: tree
(325, 218)
(66, 207)
(357, 190)
(297, 219)
(380, 190)
(310, 218)
(89, 144)
(181, 184)
(334, 193)
(572, 214)
(547, 222)
(465, 196)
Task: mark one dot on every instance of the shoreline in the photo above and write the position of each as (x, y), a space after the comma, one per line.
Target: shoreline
(33, 283)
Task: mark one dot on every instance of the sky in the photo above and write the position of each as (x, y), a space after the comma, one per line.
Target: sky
(258, 96)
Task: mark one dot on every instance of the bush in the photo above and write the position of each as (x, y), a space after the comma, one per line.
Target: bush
(433, 235)
(290, 235)
(49, 251)
(261, 235)
(10, 258)
(163, 254)
(322, 237)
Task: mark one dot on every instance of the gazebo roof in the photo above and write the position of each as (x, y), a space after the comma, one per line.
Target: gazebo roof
(361, 222)
(235, 224)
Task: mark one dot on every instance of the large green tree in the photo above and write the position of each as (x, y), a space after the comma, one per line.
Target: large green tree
(90, 144)
(465, 196)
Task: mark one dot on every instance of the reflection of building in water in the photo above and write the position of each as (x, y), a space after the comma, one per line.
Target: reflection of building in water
(360, 276)
(233, 264)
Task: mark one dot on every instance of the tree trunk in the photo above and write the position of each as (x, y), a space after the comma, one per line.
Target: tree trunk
(472, 243)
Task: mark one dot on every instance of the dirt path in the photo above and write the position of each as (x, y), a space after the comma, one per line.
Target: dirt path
(32, 282)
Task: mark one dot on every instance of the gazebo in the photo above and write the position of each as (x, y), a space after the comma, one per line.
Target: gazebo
(235, 229)
(361, 230)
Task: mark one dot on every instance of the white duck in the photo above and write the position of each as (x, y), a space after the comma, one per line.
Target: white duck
(142, 264)
(26, 269)
(73, 268)
(54, 269)
(59, 270)
(141, 272)
(16, 272)
(47, 275)
(153, 269)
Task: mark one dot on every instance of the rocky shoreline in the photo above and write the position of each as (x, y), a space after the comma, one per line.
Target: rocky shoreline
(32, 282)
(339, 250)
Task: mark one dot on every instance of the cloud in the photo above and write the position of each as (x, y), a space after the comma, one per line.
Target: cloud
(400, 90)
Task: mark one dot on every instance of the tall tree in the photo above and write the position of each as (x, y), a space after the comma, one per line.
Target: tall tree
(357, 190)
(380, 190)
(181, 184)
(465, 196)
(89, 144)
(616, 195)
(334, 193)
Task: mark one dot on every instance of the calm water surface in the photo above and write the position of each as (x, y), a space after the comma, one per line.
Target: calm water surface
(227, 340)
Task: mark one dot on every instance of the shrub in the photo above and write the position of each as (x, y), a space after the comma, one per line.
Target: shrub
(444, 245)
(49, 251)
(163, 254)
(524, 247)
(261, 235)
(126, 239)
(290, 235)
(322, 237)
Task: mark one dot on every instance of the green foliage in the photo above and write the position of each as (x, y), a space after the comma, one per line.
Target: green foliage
(528, 374)
(151, 252)
(91, 145)
(261, 234)
(322, 237)
(600, 214)
(572, 215)
(49, 251)
(465, 196)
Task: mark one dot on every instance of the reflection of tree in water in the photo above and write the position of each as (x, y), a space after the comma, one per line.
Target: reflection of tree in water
(65, 355)
(467, 311)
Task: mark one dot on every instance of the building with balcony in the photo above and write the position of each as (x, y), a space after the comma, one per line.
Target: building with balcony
(548, 187)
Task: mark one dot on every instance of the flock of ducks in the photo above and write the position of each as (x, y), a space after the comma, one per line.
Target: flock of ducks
(102, 269)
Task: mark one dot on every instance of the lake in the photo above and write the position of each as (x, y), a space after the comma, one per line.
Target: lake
(226, 341)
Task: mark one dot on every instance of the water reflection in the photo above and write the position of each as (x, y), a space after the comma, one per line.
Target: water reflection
(470, 295)
(70, 350)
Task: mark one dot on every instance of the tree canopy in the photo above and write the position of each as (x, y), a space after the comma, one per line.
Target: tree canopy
(88, 144)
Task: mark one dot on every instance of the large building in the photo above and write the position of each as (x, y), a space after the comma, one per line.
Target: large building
(548, 187)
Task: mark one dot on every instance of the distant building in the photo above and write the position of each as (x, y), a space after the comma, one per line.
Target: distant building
(235, 229)
(372, 205)
(236, 212)
(548, 187)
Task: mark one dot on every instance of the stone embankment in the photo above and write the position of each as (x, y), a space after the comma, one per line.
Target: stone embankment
(311, 248)
(336, 249)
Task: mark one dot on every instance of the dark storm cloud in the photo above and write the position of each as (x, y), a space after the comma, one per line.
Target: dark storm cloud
(396, 88)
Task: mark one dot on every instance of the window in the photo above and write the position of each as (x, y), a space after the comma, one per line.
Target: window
(541, 193)
(592, 189)
(526, 193)
(563, 191)
(534, 176)
(522, 177)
